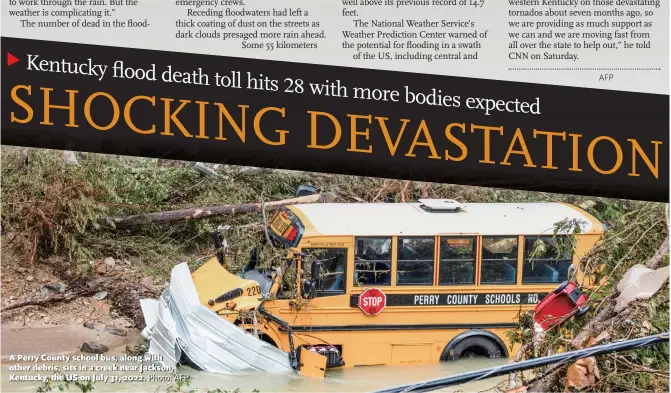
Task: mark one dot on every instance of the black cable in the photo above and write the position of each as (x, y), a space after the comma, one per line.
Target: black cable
(617, 346)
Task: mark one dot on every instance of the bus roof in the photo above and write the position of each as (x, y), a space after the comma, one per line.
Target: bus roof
(415, 219)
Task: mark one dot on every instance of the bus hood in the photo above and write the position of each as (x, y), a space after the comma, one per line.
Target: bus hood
(179, 324)
(218, 289)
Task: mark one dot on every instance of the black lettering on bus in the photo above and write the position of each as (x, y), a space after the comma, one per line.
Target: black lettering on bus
(458, 299)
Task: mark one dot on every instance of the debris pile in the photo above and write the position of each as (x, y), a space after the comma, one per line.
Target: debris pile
(634, 306)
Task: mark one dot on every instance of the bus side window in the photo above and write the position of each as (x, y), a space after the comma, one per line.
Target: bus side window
(372, 261)
(546, 259)
(457, 261)
(415, 258)
(331, 280)
(499, 260)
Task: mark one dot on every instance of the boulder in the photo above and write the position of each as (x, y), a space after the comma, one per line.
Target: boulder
(91, 347)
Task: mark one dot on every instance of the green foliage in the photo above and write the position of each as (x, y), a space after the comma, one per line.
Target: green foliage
(52, 208)
(48, 205)
(84, 387)
(180, 385)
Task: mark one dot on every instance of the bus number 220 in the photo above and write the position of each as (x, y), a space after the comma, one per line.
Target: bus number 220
(253, 291)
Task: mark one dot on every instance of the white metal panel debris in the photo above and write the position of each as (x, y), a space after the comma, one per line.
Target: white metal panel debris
(638, 283)
(178, 323)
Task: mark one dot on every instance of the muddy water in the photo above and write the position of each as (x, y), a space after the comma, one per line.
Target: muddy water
(359, 379)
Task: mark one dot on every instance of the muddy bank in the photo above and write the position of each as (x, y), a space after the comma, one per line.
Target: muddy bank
(59, 340)
(61, 327)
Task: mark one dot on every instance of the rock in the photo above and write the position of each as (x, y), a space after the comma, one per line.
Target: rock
(44, 279)
(10, 236)
(125, 322)
(22, 270)
(147, 282)
(100, 295)
(50, 289)
(30, 278)
(109, 261)
(12, 297)
(101, 305)
(89, 325)
(70, 158)
(90, 347)
(100, 268)
(116, 331)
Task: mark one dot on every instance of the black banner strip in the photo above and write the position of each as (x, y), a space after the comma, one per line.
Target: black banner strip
(265, 113)
(458, 299)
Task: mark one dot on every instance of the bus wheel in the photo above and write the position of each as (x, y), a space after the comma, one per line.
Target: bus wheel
(473, 347)
(264, 337)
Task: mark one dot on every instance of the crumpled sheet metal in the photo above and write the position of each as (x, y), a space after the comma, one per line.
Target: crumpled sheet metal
(178, 323)
(639, 283)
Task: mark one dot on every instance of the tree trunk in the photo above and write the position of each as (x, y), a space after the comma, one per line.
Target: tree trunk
(197, 213)
(51, 299)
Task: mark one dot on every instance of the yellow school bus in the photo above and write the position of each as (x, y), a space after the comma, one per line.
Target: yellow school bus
(403, 283)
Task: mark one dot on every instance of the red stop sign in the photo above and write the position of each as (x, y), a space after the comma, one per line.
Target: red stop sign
(372, 301)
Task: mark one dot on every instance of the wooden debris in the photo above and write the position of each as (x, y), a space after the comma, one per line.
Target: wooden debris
(51, 299)
(197, 213)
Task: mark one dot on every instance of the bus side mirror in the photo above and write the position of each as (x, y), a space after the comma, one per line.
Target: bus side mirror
(309, 289)
(315, 271)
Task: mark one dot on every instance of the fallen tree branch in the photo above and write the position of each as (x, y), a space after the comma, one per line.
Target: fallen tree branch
(51, 299)
(512, 377)
(656, 260)
(197, 213)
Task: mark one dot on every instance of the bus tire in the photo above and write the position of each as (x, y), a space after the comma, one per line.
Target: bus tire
(475, 344)
(263, 337)
(266, 338)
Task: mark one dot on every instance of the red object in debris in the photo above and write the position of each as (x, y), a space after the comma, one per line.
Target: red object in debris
(372, 301)
(561, 304)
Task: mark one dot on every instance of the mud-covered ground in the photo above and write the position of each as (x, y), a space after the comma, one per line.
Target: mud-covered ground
(60, 327)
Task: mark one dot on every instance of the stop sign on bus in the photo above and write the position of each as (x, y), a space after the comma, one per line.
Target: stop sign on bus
(372, 301)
